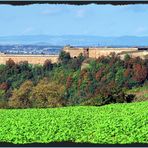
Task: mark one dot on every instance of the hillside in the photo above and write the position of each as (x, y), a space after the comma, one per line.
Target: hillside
(110, 124)
(141, 93)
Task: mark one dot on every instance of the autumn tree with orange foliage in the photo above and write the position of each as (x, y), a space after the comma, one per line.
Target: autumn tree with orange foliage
(139, 73)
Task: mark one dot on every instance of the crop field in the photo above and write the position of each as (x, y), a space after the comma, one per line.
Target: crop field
(109, 124)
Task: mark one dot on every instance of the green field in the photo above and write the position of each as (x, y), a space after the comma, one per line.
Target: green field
(110, 124)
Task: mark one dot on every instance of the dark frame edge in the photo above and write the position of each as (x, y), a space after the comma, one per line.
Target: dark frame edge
(17, 3)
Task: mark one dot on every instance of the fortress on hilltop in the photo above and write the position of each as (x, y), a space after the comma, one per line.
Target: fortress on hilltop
(90, 52)
(95, 52)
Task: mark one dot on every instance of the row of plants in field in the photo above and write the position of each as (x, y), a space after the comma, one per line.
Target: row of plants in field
(110, 124)
(72, 81)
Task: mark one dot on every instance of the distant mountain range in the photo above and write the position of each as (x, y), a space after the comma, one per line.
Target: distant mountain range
(75, 40)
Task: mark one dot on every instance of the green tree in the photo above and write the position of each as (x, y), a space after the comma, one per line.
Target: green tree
(64, 57)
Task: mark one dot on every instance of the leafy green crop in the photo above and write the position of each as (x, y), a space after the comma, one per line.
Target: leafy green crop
(116, 123)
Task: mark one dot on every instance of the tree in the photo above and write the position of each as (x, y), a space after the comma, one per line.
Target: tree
(139, 73)
(74, 64)
(4, 86)
(68, 82)
(47, 94)
(47, 65)
(3, 102)
(37, 72)
(20, 97)
(127, 73)
(127, 57)
(81, 58)
(10, 63)
(99, 73)
(64, 57)
(24, 66)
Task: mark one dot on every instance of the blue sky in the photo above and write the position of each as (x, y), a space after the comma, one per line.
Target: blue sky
(60, 19)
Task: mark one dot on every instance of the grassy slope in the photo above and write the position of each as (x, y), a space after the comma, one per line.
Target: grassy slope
(140, 92)
(116, 123)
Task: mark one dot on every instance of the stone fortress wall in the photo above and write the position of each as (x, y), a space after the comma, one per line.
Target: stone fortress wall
(95, 52)
(91, 52)
(32, 59)
(74, 51)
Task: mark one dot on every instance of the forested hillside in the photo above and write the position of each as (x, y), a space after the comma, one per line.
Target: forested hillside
(72, 81)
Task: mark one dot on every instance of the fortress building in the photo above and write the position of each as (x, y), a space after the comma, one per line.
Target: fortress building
(95, 52)
(89, 52)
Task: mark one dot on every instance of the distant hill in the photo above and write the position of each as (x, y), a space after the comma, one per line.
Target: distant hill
(75, 40)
